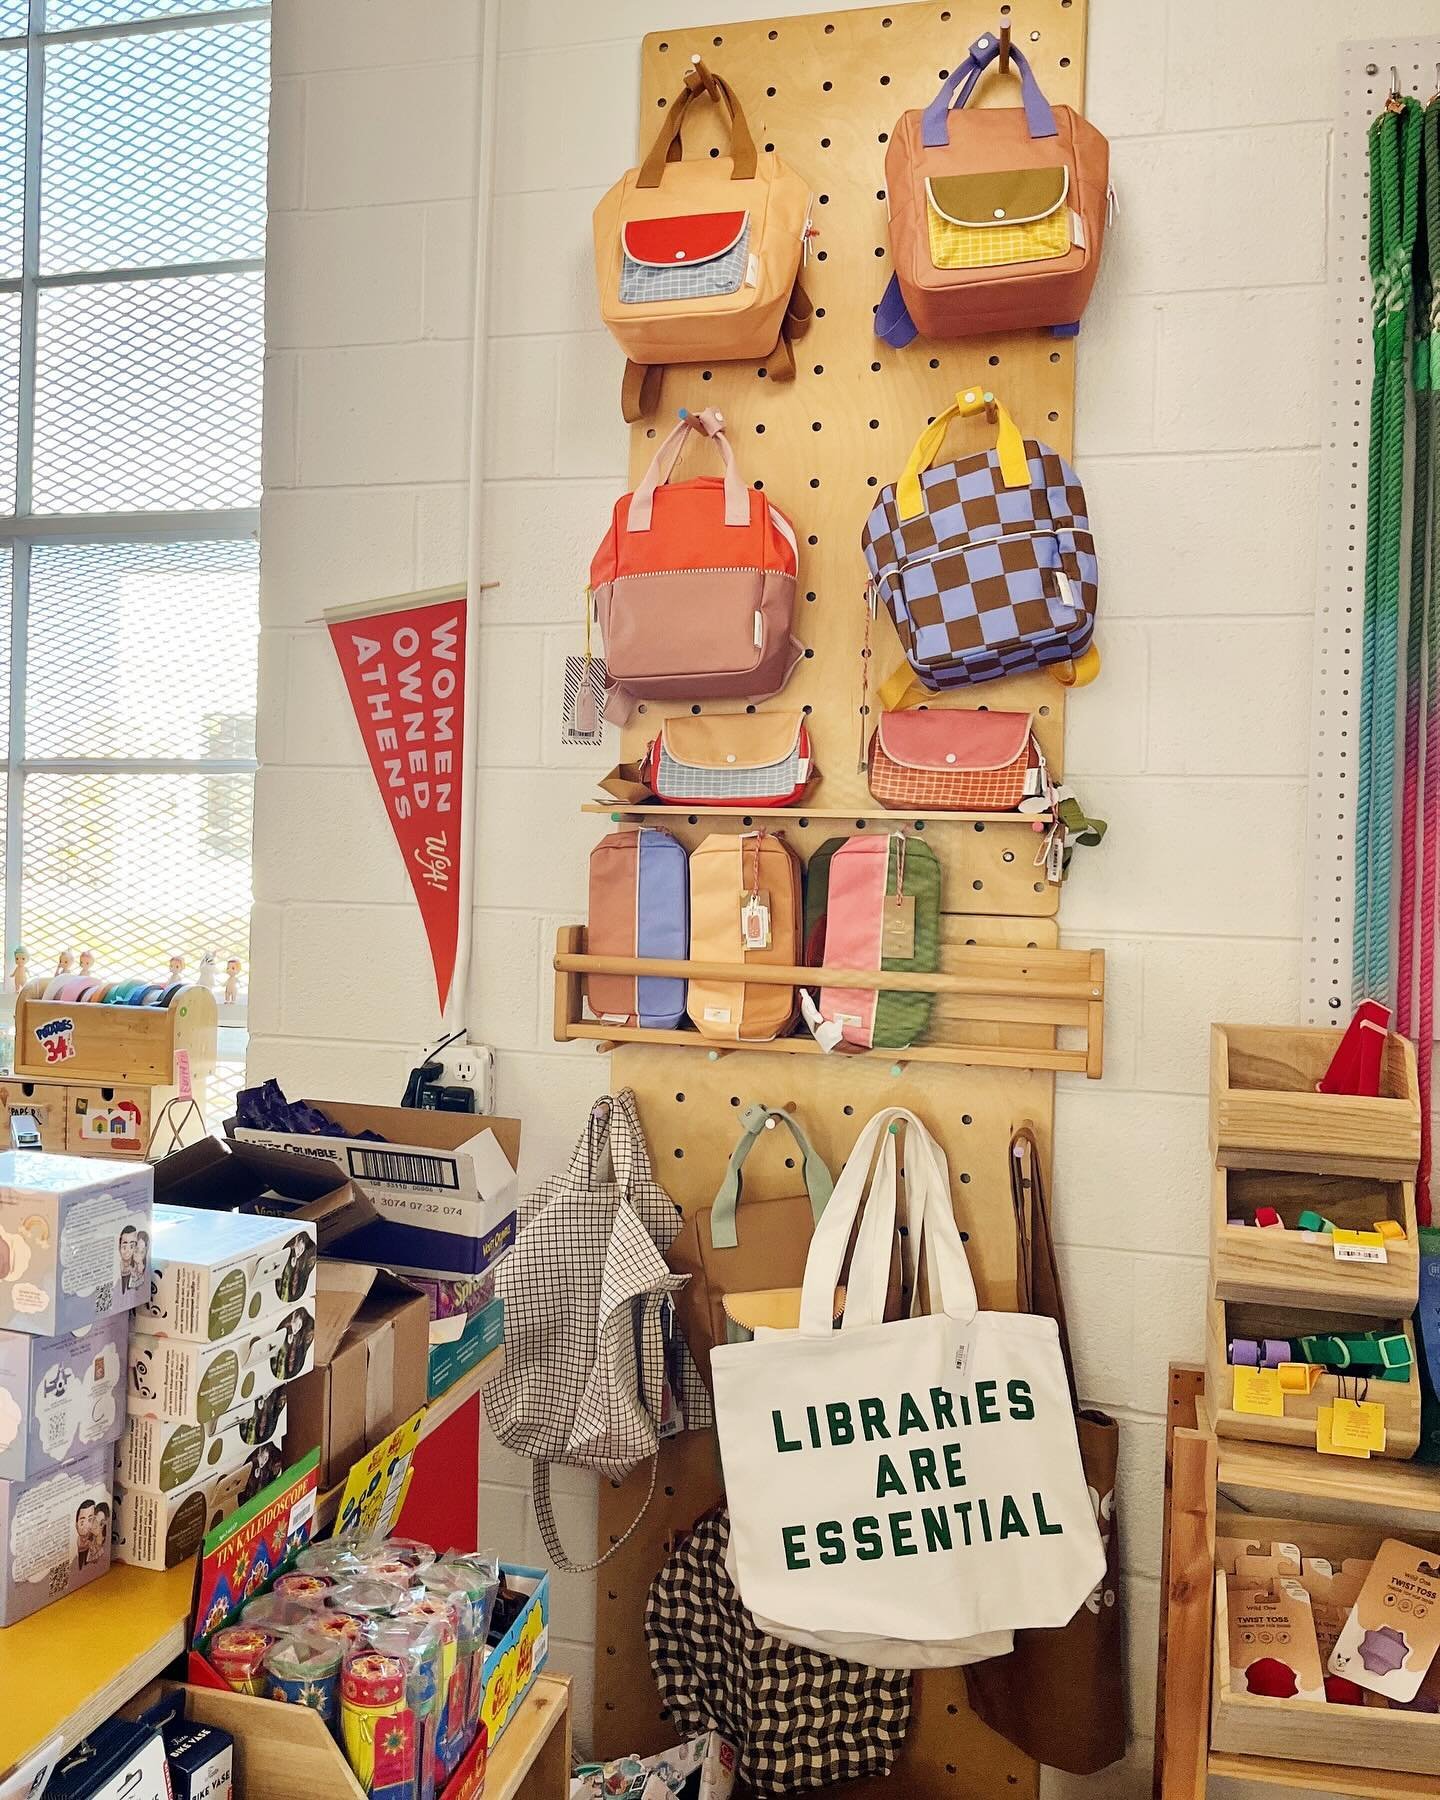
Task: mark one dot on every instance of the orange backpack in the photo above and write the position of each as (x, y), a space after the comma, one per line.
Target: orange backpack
(699, 261)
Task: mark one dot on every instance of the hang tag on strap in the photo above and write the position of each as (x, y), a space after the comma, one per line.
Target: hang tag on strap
(897, 928)
(755, 922)
(1358, 1425)
(582, 722)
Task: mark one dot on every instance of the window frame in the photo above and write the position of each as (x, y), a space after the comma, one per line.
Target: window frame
(23, 530)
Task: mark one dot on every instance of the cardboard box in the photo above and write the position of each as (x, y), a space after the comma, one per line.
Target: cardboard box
(173, 1379)
(521, 1654)
(442, 1183)
(233, 1177)
(165, 1454)
(60, 1397)
(202, 1762)
(74, 1240)
(156, 1530)
(370, 1374)
(118, 1761)
(453, 1358)
(56, 1533)
(215, 1274)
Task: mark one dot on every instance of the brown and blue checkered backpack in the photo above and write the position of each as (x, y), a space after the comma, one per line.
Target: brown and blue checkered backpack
(987, 565)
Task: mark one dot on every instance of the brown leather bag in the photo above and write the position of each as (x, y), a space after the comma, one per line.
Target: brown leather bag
(996, 213)
(1060, 1695)
(776, 1238)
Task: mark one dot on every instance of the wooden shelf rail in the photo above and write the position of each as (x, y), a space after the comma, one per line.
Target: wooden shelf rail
(655, 810)
(996, 986)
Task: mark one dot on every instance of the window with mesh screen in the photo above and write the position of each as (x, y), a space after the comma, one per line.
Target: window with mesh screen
(132, 242)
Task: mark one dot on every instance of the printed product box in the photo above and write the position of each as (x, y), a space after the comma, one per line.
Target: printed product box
(118, 1761)
(202, 1759)
(60, 1397)
(55, 1533)
(443, 1184)
(520, 1655)
(165, 1454)
(456, 1357)
(171, 1378)
(214, 1274)
(74, 1240)
(232, 1177)
(157, 1530)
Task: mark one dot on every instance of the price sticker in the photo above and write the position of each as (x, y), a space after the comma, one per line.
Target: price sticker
(1359, 1246)
(1258, 1391)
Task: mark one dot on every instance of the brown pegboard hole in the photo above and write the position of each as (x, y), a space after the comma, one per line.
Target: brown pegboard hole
(884, 81)
(822, 256)
(642, 707)
(824, 143)
(826, 86)
(1054, 356)
(964, 1179)
(849, 1111)
(748, 819)
(872, 481)
(759, 431)
(662, 101)
(807, 710)
(680, 1099)
(610, 1650)
(610, 1594)
(1039, 887)
(874, 368)
(934, 362)
(885, 24)
(884, 138)
(770, 148)
(1044, 712)
(967, 1118)
(662, 49)
(879, 249)
(819, 312)
(695, 708)
(770, 92)
(829, 30)
(978, 886)
(1064, 62)
(734, 1099)
(952, 1708)
(944, 74)
(650, 431)
(964, 1237)
(751, 707)
(979, 828)
(803, 823)
(944, 18)
(874, 424)
(1007, 856)
(1034, 37)
(815, 425)
(994, 361)
(679, 1154)
(714, 150)
(609, 1706)
(810, 595)
(717, 41)
(812, 540)
(1052, 416)
(694, 818)
(669, 1493)
(789, 1162)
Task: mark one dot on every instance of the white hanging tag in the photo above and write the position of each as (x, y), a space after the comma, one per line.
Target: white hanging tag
(755, 922)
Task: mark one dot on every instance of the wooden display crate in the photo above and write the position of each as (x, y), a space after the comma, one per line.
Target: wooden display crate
(1266, 1114)
(1310, 1731)
(141, 1045)
(1294, 1268)
(43, 1101)
(1401, 1399)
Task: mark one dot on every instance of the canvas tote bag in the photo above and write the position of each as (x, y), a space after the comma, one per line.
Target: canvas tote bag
(1079, 1667)
(899, 1489)
(588, 1313)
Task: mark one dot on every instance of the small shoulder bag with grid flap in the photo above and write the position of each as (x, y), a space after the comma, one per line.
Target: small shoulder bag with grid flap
(986, 566)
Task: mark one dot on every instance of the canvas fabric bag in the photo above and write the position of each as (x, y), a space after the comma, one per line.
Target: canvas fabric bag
(639, 906)
(698, 259)
(586, 1289)
(1079, 1667)
(731, 759)
(866, 888)
(709, 1249)
(985, 566)
(730, 876)
(798, 1719)
(694, 584)
(948, 1510)
(997, 214)
(949, 759)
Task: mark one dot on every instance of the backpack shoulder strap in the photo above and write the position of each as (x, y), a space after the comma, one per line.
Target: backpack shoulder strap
(754, 1119)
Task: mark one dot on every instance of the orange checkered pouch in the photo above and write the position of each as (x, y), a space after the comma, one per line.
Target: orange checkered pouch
(955, 760)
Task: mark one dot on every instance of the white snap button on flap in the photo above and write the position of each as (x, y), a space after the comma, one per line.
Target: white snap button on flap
(949, 756)
(983, 44)
(730, 756)
(679, 256)
(999, 212)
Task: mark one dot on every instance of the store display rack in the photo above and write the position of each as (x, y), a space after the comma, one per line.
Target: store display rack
(803, 815)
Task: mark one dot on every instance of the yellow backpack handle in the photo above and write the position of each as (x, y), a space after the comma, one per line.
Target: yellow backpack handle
(1014, 465)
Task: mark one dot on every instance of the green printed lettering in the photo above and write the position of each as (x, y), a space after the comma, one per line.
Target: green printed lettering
(901, 1541)
(868, 1543)
(962, 1509)
(887, 1478)
(964, 1409)
(793, 1538)
(872, 1420)
(1022, 1407)
(942, 1404)
(830, 1541)
(985, 1402)
(937, 1528)
(1042, 1524)
(985, 1520)
(782, 1443)
(911, 1417)
(837, 1417)
(954, 1474)
(1011, 1524)
(922, 1471)
(814, 1427)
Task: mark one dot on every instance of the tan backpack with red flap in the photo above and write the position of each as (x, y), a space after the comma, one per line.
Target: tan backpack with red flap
(699, 260)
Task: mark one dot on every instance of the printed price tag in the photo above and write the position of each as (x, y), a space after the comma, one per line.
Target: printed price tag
(1359, 1246)
(184, 1079)
(1358, 1425)
(755, 922)
(1258, 1391)
(897, 928)
(1325, 1437)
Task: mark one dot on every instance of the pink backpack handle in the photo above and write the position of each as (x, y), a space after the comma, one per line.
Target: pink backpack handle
(662, 467)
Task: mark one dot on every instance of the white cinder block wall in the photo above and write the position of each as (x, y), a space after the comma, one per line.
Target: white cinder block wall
(1198, 418)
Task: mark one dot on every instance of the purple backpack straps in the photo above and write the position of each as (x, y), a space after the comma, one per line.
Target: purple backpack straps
(1038, 116)
(892, 317)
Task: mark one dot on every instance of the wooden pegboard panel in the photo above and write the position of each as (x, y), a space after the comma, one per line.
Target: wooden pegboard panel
(824, 91)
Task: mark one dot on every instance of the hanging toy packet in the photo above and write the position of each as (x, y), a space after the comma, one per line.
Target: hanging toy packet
(1273, 1651)
(1393, 1632)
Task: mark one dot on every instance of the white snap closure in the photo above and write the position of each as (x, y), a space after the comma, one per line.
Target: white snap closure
(949, 756)
(983, 44)
(970, 396)
(679, 256)
(999, 212)
(730, 756)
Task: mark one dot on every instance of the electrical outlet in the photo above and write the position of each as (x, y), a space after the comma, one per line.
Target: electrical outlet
(471, 1066)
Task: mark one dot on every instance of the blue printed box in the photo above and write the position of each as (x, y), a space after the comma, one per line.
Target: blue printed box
(60, 1397)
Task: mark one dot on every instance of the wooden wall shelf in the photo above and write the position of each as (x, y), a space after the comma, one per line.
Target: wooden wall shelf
(654, 813)
(999, 986)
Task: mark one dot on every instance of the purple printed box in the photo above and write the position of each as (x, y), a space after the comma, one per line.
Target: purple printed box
(74, 1240)
(60, 1397)
(55, 1534)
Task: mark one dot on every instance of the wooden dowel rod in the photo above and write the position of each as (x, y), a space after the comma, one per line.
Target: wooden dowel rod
(1020, 985)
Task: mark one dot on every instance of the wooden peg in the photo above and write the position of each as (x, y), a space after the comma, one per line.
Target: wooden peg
(1004, 36)
(698, 78)
(605, 1046)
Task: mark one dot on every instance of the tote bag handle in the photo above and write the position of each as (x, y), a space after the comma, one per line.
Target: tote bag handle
(550, 1530)
(662, 466)
(667, 146)
(1009, 446)
(818, 1183)
(1039, 1272)
(935, 130)
(952, 1287)
(611, 1132)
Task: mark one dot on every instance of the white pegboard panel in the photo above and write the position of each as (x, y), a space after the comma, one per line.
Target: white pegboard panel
(1365, 74)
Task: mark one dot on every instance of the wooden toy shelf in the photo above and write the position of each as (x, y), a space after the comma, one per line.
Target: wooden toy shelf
(994, 986)
(1201, 1728)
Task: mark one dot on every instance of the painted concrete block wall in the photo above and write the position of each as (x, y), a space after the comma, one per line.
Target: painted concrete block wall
(1198, 420)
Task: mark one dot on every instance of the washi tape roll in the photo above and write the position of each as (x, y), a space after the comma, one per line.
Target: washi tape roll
(163, 999)
(148, 996)
(1273, 1352)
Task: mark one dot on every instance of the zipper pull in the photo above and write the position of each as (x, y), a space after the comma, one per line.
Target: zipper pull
(759, 630)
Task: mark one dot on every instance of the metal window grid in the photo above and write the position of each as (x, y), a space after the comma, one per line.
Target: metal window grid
(216, 515)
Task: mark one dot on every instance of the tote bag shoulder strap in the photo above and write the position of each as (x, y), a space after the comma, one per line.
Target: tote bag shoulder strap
(1040, 1289)
(612, 1149)
(869, 1178)
(724, 1234)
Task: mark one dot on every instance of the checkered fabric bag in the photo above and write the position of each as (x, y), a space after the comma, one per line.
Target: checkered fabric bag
(799, 1719)
(987, 566)
(589, 1324)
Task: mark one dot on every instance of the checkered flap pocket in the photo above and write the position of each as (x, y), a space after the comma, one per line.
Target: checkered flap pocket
(954, 741)
(997, 216)
(695, 256)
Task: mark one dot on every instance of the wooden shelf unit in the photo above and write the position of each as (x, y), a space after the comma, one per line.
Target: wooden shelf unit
(648, 812)
(996, 986)
(532, 1759)
(1199, 1469)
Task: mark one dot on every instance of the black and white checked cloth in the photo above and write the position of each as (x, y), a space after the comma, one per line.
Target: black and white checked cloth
(800, 1719)
(586, 1291)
